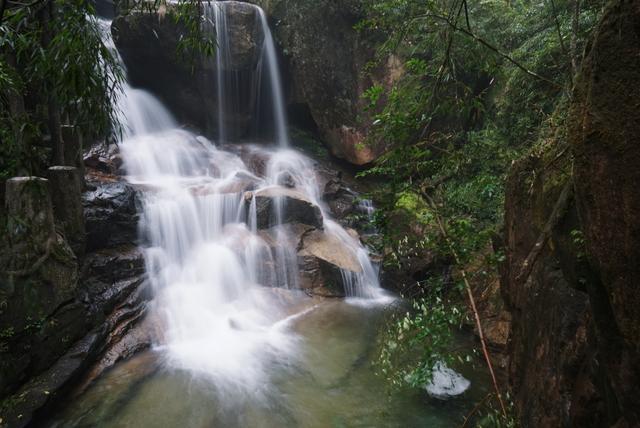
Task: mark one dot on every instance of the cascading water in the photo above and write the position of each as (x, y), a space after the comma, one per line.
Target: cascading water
(229, 82)
(212, 270)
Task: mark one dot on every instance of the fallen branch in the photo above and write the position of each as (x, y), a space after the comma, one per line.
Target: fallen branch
(472, 301)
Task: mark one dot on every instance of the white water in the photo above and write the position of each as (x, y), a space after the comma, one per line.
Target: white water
(228, 82)
(211, 269)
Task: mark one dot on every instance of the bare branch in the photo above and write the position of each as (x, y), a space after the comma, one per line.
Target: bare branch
(488, 45)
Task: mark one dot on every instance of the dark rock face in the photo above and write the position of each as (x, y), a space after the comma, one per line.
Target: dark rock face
(148, 44)
(111, 216)
(550, 346)
(573, 259)
(326, 56)
(605, 139)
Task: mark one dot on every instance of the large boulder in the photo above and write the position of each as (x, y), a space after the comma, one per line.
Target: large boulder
(150, 42)
(325, 55)
(323, 258)
(295, 207)
(111, 215)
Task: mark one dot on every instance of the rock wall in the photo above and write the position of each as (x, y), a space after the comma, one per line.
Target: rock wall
(326, 59)
(572, 246)
(60, 311)
(324, 62)
(604, 135)
(149, 43)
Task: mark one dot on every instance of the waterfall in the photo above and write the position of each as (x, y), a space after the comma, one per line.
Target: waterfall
(228, 82)
(212, 270)
(269, 54)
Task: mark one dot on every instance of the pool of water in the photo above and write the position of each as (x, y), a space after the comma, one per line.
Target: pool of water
(330, 383)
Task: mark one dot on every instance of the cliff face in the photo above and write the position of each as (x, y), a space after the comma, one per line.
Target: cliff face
(605, 138)
(149, 43)
(326, 59)
(573, 248)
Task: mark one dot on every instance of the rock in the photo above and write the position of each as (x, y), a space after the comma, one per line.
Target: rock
(296, 207)
(55, 321)
(322, 258)
(341, 199)
(111, 216)
(104, 158)
(37, 286)
(148, 44)
(572, 291)
(330, 249)
(547, 371)
(604, 135)
(325, 57)
(66, 189)
(114, 264)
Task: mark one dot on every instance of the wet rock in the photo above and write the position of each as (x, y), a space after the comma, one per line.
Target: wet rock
(322, 258)
(325, 56)
(104, 157)
(341, 200)
(111, 216)
(331, 249)
(50, 387)
(114, 264)
(296, 207)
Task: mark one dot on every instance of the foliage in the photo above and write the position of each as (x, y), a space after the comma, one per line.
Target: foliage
(51, 53)
(55, 69)
(481, 81)
(419, 338)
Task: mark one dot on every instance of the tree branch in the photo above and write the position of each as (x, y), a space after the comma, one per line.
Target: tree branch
(472, 301)
(488, 46)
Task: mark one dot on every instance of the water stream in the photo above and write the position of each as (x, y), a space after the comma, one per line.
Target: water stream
(240, 345)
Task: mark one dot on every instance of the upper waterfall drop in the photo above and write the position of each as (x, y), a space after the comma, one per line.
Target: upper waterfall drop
(269, 54)
(228, 83)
